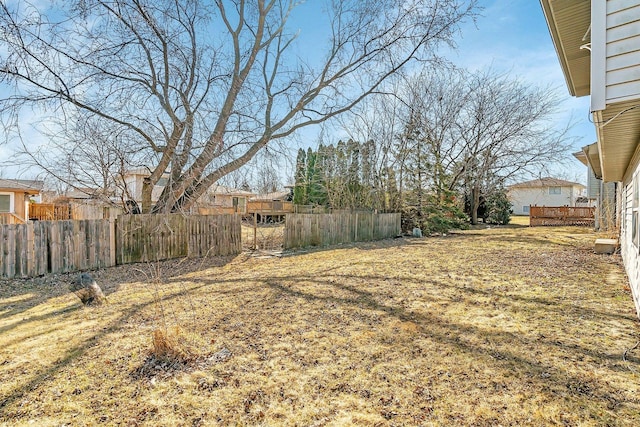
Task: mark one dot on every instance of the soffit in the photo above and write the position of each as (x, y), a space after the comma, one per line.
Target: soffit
(568, 22)
(618, 128)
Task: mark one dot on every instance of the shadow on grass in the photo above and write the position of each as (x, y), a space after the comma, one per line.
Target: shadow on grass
(558, 380)
(494, 350)
(76, 352)
(38, 290)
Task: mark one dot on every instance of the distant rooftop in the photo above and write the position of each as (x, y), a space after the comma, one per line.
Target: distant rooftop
(546, 182)
(22, 184)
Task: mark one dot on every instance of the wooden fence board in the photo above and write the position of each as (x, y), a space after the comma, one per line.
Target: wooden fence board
(302, 230)
(41, 247)
(146, 238)
(49, 211)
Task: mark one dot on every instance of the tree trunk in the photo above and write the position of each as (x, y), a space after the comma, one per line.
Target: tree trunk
(87, 290)
(475, 202)
(147, 190)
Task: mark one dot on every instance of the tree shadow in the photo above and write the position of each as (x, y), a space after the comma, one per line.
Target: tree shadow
(76, 352)
(448, 333)
(21, 295)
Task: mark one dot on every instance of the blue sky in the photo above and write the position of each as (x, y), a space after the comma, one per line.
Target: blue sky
(511, 36)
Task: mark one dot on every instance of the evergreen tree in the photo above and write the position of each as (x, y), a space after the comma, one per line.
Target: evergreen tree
(300, 189)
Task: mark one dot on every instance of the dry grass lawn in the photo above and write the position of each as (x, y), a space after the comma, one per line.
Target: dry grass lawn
(501, 326)
(268, 237)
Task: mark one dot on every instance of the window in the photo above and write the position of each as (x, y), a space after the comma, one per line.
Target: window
(239, 204)
(555, 190)
(525, 209)
(6, 204)
(162, 182)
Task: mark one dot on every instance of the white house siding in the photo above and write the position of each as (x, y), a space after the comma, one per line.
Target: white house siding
(134, 187)
(622, 51)
(593, 185)
(539, 196)
(630, 233)
(133, 184)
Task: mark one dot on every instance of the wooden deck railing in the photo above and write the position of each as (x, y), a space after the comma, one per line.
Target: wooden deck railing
(561, 215)
(50, 212)
(266, 207)
(10, 218)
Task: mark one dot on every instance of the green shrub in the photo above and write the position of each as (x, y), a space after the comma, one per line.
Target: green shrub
(440, 214)
(498, 208)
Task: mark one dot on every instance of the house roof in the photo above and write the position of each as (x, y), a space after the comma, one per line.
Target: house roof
(84, 193)
(546, 182)
(28, 186)
(230, 191)
(617, 119)
(590, 157)
(276, 195)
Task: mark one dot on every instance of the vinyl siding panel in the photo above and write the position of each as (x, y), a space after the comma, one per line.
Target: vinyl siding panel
(622, 51)
(631, 59)
(593, 185)
(623, 92)
(630, 252)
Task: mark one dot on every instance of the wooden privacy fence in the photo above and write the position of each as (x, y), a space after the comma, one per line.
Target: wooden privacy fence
(302, 230)
(561, 215)
(42, 247)
(143, 238)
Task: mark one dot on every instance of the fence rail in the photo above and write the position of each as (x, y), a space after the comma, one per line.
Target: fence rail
(561, 215)
(269, 207)
(218, 210)
(302, 230)
(42, 247)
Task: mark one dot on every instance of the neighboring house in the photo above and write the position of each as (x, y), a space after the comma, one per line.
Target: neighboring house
(15, 195)
(272, 206)
(600, 194)
(217, 200)
(543, 192)
(221, 199)
(133, 180)
(598, 44)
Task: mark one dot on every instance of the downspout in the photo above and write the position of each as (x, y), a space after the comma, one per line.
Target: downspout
(598, 55)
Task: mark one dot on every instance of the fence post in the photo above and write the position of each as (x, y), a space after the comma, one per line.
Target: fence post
(112, 241)
(255, 231)
(31, 250)
(356, 227)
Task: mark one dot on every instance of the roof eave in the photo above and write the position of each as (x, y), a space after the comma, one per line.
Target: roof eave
(576, 77)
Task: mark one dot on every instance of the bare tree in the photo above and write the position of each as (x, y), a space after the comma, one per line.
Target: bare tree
(505, 129)
(202, 86)
(445, 130)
